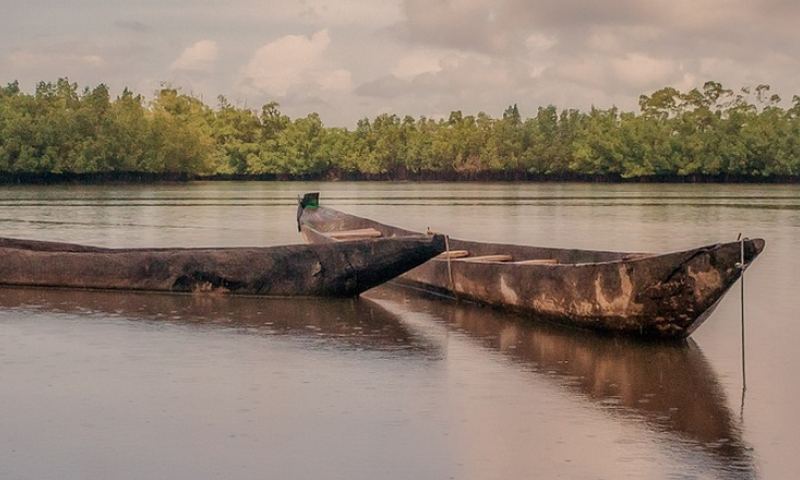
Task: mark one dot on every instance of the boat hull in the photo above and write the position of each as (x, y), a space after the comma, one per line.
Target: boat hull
(343, 269)
(665, 296)
(640, 294)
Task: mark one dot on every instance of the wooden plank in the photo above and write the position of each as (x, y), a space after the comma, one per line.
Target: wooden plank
(538, 261)
(636, 256)
(453, 254)
(487, 258)
(353, 234)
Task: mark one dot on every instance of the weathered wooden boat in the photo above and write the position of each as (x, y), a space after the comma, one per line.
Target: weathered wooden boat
(642, 294)
(336, 269)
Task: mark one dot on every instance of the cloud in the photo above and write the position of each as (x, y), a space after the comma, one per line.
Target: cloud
(639, 71)
(35, 60)
(294, 62)
(453, 82)
(417, 62)
(540, 41)
(200, 57)
(87, 62)
(344, 12)
(133, 25)
(567, 14)
(463, 24)
(611, 75)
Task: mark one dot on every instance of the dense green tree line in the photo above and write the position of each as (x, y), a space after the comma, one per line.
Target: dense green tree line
(709, 133)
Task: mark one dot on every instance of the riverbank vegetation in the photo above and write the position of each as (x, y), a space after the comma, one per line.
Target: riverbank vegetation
(62, 132)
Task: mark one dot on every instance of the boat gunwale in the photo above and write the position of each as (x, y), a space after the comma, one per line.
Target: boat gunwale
(456, 244)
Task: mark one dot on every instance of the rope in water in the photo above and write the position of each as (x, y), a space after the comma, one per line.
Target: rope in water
(742, 265)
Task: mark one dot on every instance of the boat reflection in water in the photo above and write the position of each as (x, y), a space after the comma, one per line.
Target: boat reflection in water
(669, 387)
(351, 323)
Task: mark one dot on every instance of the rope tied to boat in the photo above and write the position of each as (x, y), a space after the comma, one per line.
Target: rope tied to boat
(450, 266)
(449, 262)
(741, 265)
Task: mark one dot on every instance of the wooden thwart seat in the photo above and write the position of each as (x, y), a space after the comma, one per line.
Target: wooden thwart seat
(355, 234)
(538, 261)
(463, 256)
(636, 256)
(453, 254)
(487, 258)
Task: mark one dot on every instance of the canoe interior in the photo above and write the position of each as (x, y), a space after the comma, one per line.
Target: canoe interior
(325, 221)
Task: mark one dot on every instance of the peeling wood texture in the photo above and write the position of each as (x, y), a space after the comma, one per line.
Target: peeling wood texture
(335, 269)
(641, 294)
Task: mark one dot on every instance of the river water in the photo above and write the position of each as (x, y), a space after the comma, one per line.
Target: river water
(395, 385)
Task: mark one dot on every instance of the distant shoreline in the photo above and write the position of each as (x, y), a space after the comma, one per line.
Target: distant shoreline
(710, 135)
(451, 177)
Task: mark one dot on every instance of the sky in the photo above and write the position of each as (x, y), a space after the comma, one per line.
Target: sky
(351, 59)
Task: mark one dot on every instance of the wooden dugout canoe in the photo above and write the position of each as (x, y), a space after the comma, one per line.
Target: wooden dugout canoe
(340, 269)
(641, 294)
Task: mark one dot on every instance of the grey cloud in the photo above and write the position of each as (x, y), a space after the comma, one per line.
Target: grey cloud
(133, 26)
(385, 87)
(684, 27)
(469, 84)
(554, 15)
(492, 26)
(467, 25)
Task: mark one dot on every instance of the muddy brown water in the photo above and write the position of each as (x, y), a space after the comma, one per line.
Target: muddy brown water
(395, 384)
